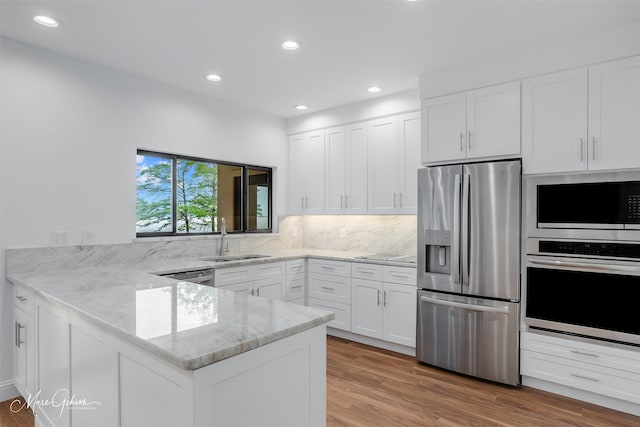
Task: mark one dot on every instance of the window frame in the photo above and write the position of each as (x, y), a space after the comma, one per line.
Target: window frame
(174, 158)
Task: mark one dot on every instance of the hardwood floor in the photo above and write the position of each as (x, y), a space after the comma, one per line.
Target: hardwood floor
(370, 387)
(15, 415)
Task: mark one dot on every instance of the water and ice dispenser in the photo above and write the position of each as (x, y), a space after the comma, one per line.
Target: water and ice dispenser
(438, 251)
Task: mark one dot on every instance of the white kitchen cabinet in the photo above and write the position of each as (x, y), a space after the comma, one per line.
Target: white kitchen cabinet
(614, 111)
(306, 166)
(23, 341)
(295, 286)
(330, 289)
(265, 279)
(385, 310)
(554, 122)
(477, 124)
(393, 155)
(346, 169)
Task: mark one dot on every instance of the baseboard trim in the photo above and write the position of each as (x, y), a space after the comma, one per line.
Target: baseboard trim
(8, 390)
(409, 351)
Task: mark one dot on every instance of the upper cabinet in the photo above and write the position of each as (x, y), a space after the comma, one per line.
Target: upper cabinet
(393, 162)
(476, 124)
(306, 181)
(346, 169)
(585, 119)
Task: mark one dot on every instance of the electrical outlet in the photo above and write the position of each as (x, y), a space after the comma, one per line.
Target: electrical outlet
(59, 238)
(86, 237)
(343, 231)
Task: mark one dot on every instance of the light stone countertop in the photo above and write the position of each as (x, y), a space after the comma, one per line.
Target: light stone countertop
(206, 325)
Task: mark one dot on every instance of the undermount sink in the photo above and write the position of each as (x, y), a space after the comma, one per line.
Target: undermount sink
(225, 258)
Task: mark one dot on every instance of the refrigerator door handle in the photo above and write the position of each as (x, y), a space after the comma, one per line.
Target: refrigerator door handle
(455, 244)
(472, 307)
(466, 184)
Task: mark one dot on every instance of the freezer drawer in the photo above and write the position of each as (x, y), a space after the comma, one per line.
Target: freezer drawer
(472, 336)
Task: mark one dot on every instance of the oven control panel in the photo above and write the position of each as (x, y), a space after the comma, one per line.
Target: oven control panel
(609, 250)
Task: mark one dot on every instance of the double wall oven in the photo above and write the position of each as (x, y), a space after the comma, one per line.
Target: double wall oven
(583, 255)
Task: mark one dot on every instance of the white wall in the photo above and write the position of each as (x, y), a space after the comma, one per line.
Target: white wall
(70, 130)
(359, 111)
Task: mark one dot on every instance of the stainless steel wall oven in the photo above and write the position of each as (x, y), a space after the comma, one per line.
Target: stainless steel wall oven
(582, 262)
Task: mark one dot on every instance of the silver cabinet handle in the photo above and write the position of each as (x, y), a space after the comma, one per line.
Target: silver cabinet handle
(586, 266)
(461, 141)
(306, 202)
(469, 140)
(19, 328)
(324, 267)
(394, 199)
(346, 201)
(594, 147)
(384, 299)
(582, 353)
(400, 276)
(296, 286)
(472, 307)
(400, 198)
(581, 149)
(326, 288)
(258, 292)
(302, 202)
(584, 377)
(21, 298)
(341, 202)
(378, 296)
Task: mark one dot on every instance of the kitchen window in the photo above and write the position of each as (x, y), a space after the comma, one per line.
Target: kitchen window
(179, 195)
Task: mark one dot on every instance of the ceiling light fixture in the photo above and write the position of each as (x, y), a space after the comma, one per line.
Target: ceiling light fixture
(213, 77)
(290, 45)
(46, 21)
(301, 107)
(374, 89)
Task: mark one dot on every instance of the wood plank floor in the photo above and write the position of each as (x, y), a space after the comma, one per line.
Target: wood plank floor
(370, 387)
(15, 415)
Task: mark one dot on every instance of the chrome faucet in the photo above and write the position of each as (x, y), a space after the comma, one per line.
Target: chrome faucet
(223, 233)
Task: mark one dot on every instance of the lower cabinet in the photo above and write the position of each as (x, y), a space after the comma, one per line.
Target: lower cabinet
(23, 341)
(330, 289)
(599, 369)
(265, 280)
(384, 310)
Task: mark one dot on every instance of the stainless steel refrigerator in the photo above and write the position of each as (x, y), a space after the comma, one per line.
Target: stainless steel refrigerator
(469, 269)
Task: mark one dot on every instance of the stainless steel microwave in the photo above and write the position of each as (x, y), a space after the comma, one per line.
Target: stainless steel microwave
(603, 205)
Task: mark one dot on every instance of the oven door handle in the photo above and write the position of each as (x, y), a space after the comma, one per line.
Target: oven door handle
(587, 266)
(473, 307)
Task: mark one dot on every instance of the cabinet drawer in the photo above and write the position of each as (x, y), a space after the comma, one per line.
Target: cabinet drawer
(593, 378)
(366, 271)
(601, 355)
(330, 288)
(232, 275)
(295, 287)
(269, 270)
(336, 268)
(400, 275)
(24, 299)
(342, 312)
(295, 266)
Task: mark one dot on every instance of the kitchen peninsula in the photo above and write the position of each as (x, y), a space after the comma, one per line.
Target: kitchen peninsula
(115, 345)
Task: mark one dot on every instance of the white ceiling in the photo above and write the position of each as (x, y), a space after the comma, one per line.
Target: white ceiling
(346, 45)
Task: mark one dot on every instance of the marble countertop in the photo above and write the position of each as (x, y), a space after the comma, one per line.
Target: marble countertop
(186, 324)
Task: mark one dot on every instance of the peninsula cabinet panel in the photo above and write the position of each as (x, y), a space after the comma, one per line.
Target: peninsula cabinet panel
(554, 122)
(614, 112)
(53, 365)
(94, 378)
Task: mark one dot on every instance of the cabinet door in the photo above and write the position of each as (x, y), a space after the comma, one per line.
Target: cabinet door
(493, 121)
(443, 128)
(383, 166)
(409, 157)
(335, 171)
(23, 357)
(614, 106)
(245, 288)
(269, 288)
(366, 307)
(356, 169)
(554, 122)
(297, 175)
(314, 173)
(399, 316)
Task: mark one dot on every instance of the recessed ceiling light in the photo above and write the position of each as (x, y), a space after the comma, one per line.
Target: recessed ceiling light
(213, 77)
(290, 45)
(301, 107)
(374, 89)
(46, 21)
